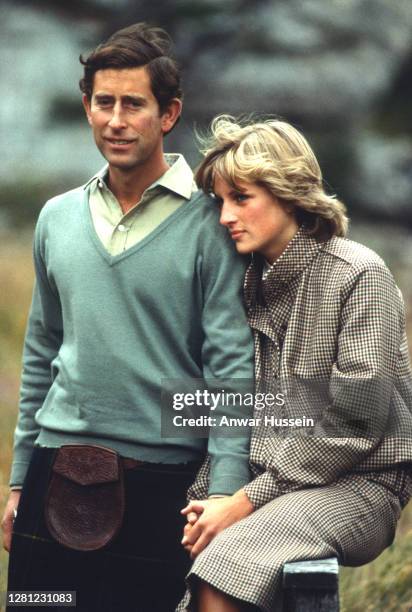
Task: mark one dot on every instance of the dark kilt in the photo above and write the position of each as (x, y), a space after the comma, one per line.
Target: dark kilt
(142, 570)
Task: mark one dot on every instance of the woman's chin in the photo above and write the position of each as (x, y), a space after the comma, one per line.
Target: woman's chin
(244, 249)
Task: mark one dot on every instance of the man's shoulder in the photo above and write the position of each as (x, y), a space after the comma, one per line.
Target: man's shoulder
(202, 198)
(62, 202)
(203, 215)
(200, 225)
(67, 197)
(202, 204)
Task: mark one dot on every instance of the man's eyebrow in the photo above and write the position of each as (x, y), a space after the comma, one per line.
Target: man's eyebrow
(134, 98)
(125, 98)
(102, 94)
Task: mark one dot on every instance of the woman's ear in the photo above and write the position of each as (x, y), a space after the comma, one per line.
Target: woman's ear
(290, 208)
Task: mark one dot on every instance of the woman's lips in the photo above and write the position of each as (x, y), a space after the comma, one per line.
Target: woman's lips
(235, 234)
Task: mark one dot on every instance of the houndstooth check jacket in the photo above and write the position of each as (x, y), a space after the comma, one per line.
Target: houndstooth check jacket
(328, 312)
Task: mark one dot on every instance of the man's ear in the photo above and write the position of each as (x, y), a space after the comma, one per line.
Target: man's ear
(86, 105)
(171, 115)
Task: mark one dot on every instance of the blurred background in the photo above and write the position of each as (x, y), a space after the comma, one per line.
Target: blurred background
(339, 70)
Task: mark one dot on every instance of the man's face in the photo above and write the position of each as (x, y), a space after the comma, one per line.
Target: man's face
(125, 118)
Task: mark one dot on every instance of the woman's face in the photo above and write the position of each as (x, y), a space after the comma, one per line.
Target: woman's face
(256, 220)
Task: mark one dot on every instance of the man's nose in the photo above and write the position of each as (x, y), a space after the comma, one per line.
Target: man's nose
(117, 120)
(227, 215)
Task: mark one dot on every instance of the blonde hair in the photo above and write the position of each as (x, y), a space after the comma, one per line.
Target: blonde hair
(272, 154)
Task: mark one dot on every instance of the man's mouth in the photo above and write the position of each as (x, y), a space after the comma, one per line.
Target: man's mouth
(118, 141)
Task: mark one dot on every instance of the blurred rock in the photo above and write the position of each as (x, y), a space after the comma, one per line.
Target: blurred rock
(382, 178)
(316, 60)
(39, 64)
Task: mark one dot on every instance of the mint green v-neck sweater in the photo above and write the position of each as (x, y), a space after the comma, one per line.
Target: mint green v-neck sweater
(105, 330)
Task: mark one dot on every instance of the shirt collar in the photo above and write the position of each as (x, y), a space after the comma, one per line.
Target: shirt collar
(295, 258)
(178, 178)
(98, 179)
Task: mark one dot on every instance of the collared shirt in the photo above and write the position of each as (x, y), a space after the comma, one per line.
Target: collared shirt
(118, 231)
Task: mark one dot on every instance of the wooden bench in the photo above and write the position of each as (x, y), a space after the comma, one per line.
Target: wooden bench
(311, 586)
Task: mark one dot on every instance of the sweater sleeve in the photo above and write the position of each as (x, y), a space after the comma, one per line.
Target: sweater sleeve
(353, 422)
(42, 342)
(227, 355)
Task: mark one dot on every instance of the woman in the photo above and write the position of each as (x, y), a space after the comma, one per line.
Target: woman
(329, 330)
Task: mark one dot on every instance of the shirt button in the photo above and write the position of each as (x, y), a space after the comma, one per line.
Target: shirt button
(122, 228)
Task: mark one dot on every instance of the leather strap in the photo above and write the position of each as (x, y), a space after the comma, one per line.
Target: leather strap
(131, 464)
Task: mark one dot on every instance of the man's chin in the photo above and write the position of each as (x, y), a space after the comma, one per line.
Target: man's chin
(121, 164)
(118, 159)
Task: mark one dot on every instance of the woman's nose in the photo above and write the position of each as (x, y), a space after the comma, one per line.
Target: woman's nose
(227, 215)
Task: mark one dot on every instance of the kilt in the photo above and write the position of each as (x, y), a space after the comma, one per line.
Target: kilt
(353, 519)
(142, 570)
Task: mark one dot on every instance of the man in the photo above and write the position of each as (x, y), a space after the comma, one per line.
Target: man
(135, 282)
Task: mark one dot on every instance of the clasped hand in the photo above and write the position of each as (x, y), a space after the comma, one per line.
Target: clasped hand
(207, 517)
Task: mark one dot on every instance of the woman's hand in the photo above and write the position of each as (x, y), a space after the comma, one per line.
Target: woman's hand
(213, 515)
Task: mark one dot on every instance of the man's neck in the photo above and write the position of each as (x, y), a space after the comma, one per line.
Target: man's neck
(129, 185)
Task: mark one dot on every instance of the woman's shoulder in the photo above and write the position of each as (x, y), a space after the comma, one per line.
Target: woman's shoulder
(346, 262)
(353, 254)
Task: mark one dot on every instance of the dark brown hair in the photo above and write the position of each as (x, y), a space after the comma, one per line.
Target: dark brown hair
(132, 47)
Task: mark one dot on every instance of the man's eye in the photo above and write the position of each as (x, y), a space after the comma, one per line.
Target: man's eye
(133, 104)
(103, 102)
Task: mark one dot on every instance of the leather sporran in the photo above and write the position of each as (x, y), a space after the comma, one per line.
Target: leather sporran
(85, 500)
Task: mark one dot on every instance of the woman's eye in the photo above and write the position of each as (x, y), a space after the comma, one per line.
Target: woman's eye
(241, 197)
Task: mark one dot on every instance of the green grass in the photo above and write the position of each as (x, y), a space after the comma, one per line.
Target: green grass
(385, 585)
(382, 586)
(16, 278)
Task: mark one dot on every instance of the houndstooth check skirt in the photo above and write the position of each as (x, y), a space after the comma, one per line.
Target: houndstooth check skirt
(353, 519)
